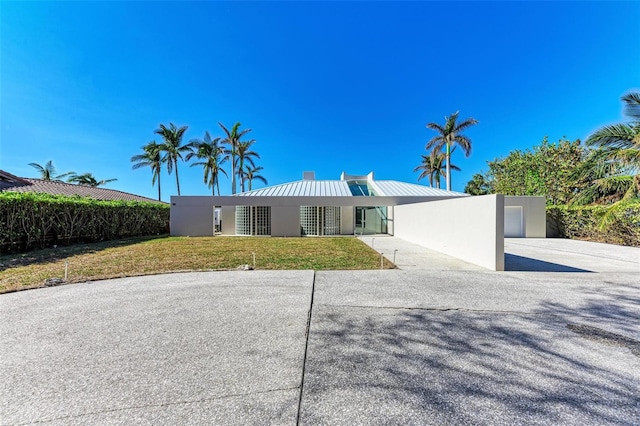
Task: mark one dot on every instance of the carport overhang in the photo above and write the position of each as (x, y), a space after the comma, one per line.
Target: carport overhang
(292, 201)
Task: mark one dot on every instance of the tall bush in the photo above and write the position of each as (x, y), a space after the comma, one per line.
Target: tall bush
(29, 220)
(618, 225)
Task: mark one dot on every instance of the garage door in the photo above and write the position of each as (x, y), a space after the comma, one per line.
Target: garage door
(513, 222)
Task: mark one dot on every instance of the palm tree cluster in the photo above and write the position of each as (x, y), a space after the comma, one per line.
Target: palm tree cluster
(48, 172)
(437, 163)
(209, 153)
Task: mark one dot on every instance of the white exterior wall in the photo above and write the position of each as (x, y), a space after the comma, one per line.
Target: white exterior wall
(346, 220)
(228, 217)
(469, 228)
(534, 214)
(390, 228)
(285, 221)
(193, 215)
(191, 220)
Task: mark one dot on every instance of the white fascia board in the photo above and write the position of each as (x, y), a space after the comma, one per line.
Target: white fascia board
(363, 201)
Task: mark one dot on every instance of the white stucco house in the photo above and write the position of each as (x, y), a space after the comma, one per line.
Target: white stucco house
(451, 222)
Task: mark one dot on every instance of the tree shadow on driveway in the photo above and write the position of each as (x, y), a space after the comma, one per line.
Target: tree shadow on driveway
(415, 366)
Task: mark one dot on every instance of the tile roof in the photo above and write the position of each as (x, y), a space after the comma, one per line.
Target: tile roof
(10, 183)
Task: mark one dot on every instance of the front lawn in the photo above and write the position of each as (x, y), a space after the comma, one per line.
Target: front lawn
(144, 256)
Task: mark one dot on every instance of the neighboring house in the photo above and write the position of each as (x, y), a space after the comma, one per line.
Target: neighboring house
(11, 183)
(447, 221)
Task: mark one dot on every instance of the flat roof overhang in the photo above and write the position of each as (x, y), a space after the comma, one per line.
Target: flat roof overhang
(292, 201)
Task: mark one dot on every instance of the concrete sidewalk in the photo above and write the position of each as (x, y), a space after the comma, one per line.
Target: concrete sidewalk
(408, 346)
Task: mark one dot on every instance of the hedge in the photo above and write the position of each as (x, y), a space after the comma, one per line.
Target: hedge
(30, 220)
(615, 224)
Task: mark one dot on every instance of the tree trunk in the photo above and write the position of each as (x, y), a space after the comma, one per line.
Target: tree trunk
(159, 195)
(448, 166)
(233, 170)
(177, 179)
(240, 167)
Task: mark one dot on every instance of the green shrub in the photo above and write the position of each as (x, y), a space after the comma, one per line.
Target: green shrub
(615, 224)
(29, 220)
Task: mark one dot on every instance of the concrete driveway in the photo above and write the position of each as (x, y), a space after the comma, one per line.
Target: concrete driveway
(413, 346)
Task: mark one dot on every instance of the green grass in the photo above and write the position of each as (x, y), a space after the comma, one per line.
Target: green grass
(144, 256)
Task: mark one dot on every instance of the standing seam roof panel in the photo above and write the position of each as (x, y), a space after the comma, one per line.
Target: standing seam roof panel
(330, 188)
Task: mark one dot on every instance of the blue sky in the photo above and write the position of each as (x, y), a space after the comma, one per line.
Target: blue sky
(325, 86)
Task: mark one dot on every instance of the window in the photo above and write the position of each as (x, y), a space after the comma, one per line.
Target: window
(319, 220)
(253, 220)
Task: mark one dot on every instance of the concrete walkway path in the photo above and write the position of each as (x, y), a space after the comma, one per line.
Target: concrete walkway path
(410, 256)
(521, 254)
(404, 346)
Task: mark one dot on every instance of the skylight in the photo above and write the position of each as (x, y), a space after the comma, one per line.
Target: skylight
(360, 188)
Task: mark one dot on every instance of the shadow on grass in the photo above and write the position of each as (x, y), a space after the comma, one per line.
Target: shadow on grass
(429, 367)
(514, 262)
(54, 254)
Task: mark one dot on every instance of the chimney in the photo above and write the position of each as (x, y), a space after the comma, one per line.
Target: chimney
(308, 175)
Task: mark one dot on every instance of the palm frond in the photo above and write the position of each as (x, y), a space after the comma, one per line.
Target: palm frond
(632, 105)
(613, 136)
(437, 142)
(463, 142)
(435, 126)
(465, 124)
(609, 217)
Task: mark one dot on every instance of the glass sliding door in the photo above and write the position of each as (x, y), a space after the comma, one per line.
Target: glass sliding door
(370, 220)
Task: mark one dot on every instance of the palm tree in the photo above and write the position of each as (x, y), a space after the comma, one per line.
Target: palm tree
(252, 173)
(621, 141)
(233, 140)
(478, 185)
(48, 171)
(449, 135)
(617, 166)
(244, 154)
(433, 166)
(172, 147)
(214, 157)
(87, 179)
(152, 157)
(601, 180)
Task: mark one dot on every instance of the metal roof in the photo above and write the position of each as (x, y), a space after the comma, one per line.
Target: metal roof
(303, 188)
(340, 188)
(393, 188)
